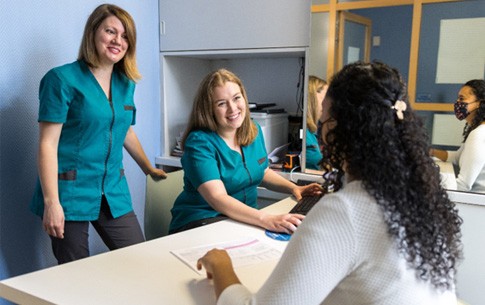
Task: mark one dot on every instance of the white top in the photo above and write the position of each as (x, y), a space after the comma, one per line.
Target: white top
(341, 254)
(471, 160)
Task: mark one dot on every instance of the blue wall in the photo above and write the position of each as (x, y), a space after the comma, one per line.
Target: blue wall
(428, 49)
(393, 25)
(36, 36)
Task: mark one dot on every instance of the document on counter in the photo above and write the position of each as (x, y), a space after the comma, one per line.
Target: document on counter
(243, 252)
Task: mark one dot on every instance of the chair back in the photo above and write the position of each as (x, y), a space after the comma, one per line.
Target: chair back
(159, 200)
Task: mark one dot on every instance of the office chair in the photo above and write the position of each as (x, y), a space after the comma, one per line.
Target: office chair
(159, 198)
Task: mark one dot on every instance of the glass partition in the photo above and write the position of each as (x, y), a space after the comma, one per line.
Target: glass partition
(412, 36)
(451, 52)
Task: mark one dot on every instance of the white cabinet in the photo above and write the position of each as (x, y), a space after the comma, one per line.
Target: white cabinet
(233, 24)
(264, 42)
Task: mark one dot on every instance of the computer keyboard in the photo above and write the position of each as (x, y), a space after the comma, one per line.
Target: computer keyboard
(305, 204)
(301, 182)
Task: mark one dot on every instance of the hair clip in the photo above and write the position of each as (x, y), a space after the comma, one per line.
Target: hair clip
(400, 106)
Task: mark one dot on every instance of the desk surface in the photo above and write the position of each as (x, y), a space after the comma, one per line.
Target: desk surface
(146, 273)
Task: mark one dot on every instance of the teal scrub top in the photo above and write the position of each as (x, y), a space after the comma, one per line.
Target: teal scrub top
(313, 153)
(90, 150)
(207, 157)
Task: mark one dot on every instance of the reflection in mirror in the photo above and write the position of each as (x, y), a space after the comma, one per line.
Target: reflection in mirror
(319, 45)
(450, 32)
(317, 2)
(443, 68)
(317, 67)
(354, 39)
(317, 88)
(391, 40)
(391, 48)
(469, 158)
(386, 45)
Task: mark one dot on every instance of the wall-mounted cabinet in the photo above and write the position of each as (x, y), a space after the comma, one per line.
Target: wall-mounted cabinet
(233, 24)
(200, 36)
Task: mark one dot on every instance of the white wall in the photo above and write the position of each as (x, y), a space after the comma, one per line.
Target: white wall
(471, 271)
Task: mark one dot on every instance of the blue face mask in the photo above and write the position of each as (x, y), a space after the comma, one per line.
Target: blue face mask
(461, 110)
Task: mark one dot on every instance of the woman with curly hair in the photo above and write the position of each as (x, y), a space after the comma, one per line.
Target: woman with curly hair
(469, 106)
(390, 235)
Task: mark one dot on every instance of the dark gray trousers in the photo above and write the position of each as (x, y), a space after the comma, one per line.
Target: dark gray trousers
(115, 232)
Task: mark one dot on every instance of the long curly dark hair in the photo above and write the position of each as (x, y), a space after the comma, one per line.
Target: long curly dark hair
(390, 156)
(478, 89)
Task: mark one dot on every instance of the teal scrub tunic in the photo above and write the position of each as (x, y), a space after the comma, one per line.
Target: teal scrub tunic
(313, 153)
(90, 151)
(207, 157)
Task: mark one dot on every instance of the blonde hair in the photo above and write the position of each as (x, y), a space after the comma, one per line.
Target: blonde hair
(314, 84)
(202, 115)
(87, 50)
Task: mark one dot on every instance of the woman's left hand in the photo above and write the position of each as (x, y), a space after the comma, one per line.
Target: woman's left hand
(312, 189)
(157, 173)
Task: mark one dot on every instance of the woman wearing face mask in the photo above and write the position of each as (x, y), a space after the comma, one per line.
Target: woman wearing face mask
(470, 158)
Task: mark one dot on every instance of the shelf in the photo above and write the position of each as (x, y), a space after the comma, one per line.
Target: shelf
(168, 161)
(240, 53)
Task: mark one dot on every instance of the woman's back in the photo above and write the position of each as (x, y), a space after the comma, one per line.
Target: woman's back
(348, 229)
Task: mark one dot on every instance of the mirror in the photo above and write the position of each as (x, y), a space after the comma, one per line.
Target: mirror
(414, 51)
(353, 38)
(356, 40)
(442, 70)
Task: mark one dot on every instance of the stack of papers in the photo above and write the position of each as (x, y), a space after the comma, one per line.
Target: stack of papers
(243, 252)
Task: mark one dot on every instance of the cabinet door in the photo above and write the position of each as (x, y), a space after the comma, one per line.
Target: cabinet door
(233, 24)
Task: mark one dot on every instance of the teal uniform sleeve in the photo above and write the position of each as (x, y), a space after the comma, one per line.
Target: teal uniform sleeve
(199, 162)
(54, 97)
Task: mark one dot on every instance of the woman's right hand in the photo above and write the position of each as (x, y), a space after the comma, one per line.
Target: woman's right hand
(214, 259)
(285, 223)
(218, 267)
(53, 220)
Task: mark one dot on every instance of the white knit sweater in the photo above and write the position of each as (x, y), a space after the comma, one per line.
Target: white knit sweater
(471, 160)
(341, 254)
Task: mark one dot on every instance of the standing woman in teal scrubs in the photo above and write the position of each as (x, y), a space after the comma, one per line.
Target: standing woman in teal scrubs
(225, 160)
(85, 117)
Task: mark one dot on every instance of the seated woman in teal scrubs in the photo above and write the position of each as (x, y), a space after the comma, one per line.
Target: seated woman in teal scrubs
(317, 88)
(85, 117)
(224, 161)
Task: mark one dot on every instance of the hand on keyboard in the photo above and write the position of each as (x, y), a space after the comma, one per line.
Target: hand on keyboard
(285, 223)
(305, 204)
(309, 190)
